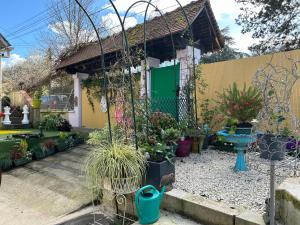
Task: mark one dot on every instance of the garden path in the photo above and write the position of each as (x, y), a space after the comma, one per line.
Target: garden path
(44, 190)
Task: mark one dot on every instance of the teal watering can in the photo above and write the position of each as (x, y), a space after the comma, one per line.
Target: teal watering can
(147, 202)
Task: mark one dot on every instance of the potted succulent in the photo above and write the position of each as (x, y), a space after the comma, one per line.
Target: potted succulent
(240, 105)
(21, 155)
(125, 171)
(161, 162)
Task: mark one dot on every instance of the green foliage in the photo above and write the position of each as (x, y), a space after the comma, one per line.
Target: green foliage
(243, 105)
(23, 147)
(207, 113)
(274, 23)
(170, 136)
(101, 136)
(159, 152)
(52, 122)
(114, 161)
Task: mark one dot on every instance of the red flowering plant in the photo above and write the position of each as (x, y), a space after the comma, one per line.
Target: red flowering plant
(241, 105)
(1, 115)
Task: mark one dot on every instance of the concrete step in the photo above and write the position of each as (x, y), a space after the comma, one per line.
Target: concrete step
(168, 218)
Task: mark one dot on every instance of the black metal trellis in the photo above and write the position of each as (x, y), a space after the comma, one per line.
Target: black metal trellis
(129, 62)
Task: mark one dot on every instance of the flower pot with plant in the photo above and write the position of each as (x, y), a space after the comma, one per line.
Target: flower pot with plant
(20, 154)
(240, 105)
(125, 171)
(161, 163)
(62, 142)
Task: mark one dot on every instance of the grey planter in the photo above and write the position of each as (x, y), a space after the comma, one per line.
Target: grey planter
(156, 170)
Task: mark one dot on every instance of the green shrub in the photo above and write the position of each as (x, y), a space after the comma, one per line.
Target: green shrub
(55, 122)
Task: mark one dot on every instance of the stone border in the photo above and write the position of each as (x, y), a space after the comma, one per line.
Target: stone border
(207, 211)
(200, 209)
(288, 202)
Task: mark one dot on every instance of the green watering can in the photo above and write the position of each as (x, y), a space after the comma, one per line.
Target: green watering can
(147, 202)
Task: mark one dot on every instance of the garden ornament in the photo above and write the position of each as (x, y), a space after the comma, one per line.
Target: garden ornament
(167, 181)
(25, 115)
(7, 113)
(147, 202)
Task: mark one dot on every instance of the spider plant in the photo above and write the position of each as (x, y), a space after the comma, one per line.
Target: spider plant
(115, 161)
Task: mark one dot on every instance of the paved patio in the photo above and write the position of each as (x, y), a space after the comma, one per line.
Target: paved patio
(42, 191)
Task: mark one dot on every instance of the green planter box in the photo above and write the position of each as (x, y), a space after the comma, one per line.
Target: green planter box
(22, 161)
(62, 146)
(5, 164)
(43, 153)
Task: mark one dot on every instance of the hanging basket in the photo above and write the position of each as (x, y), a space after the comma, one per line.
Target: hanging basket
(121, 185)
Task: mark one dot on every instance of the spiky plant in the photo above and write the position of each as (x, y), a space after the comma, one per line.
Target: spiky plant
(243, 105)
(115, 161)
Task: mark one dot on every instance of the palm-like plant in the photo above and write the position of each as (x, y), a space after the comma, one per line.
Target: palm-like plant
(243, 105)
(116, 162)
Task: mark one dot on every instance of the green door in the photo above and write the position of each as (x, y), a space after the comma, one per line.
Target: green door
(164, 88)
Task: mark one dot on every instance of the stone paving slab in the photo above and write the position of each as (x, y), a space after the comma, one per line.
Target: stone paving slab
(168, 218)
(44, 190)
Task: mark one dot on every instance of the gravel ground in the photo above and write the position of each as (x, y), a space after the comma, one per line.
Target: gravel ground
(211, 175)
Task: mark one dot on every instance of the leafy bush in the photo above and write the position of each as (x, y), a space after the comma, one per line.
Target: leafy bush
(170, 136)
(55, 122)
(101, 136)
(114, 161)
(243, 105)
(158, 152)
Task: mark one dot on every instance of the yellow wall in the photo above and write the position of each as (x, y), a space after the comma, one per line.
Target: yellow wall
(222, 74)
(96, 118)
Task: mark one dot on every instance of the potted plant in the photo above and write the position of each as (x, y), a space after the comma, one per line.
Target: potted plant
(161, 162)
(117, 167)
(240, 105)
(170, 137)
(185, 143)
(43, 148)
(62, 142)
(21, 155)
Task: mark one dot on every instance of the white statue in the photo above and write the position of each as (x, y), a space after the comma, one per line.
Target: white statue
(25, 115)
(7, 113)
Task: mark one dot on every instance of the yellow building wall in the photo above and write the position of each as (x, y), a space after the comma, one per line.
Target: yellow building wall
(94, 119)
(222, 74)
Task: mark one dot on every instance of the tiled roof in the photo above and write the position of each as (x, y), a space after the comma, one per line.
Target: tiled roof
(155, 29)
(3, 42)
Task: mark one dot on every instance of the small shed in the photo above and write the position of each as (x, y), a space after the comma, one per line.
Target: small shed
(85, 60)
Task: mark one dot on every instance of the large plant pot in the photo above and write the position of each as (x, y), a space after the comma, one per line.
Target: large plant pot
(184, 148)
(272, 147)
(156, 170)
(121, 185)
(197, 143)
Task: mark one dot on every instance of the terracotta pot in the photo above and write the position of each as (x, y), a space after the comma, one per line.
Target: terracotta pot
(184, 147)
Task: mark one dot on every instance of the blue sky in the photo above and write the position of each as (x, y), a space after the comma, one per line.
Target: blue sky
(22, 24)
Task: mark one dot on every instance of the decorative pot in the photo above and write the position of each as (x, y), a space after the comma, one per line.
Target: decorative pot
(197, 143)
(157, 170)
(184, 147)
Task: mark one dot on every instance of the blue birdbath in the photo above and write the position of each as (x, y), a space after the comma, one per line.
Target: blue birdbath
(241, 142)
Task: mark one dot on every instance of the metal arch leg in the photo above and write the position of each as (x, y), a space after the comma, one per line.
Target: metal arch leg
(240, 164)
(272, 193)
